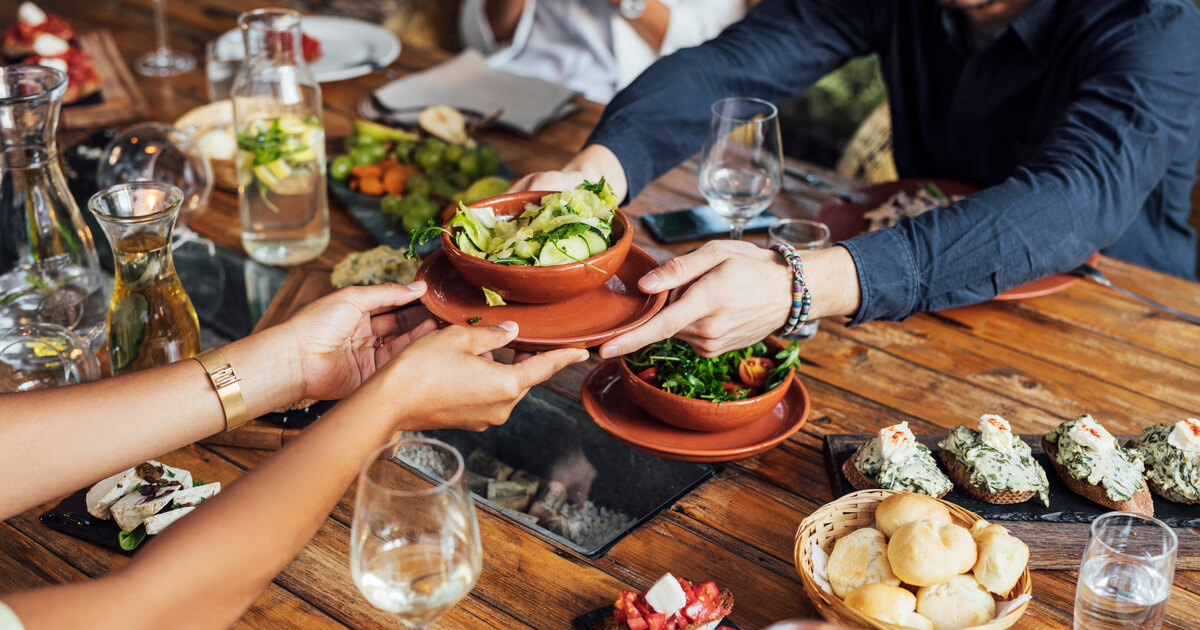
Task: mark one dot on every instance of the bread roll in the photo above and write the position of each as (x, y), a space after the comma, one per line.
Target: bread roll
(925, 553)
(1002, 558)
(916, 620)
(959, 603)
(901, 509)
(883, 602)
(860, 557)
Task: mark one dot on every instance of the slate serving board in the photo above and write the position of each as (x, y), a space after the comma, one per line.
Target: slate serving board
(590, 621)
(1057, 534)
(70, 517)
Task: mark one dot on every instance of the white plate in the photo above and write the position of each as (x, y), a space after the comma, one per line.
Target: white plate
(348, 46)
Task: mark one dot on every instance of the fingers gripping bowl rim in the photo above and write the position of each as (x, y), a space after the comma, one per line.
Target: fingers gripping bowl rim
(534, 284)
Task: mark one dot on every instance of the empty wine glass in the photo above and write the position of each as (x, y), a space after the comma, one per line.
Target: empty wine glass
(742, 161)
(414, 546)
(162, 61)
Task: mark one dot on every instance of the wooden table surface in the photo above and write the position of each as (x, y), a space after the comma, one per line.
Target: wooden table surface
(1037, 362)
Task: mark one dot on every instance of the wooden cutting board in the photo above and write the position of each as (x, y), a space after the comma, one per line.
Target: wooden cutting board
(120, 99)
(1056, 535)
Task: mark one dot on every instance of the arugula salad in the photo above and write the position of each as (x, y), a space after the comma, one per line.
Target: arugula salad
(676, 367)
(563, 228)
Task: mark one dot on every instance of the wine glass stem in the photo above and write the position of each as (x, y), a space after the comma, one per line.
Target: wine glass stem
(735, 229)
(160, 26)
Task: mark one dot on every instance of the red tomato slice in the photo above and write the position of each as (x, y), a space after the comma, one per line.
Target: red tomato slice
(649, 375)
(637, 623)
(754, 370)
(657, 621)
(708, 592)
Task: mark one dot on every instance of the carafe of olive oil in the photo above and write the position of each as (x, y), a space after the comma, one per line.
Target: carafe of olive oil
(150, 321)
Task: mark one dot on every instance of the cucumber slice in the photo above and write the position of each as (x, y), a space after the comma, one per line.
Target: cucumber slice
(596, 243)
(527, 249)
(467, 246)
(127, 321)
(475, 231)
(563, 251)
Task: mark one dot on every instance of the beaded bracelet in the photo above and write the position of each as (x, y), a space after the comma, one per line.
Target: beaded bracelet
(801, 296)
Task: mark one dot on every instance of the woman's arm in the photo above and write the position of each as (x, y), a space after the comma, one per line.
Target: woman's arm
(211, 565)
(57, 441)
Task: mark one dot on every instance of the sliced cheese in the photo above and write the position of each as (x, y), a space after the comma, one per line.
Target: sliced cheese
(666, 596)
(158, 522)
(53, 62)
(195, 495)
(101, 497)
(30, 14)
(897, 443)
(134, 508)
(48, 45)
(1090, 434)
(1186, 435)
(996, 432)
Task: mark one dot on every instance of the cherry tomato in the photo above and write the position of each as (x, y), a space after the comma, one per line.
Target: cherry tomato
(754, 370)
(649, 375)
(734, 387)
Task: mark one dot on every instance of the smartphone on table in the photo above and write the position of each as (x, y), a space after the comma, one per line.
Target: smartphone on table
(700, 222)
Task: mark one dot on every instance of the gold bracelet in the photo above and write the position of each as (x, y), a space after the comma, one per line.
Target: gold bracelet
(228, 387)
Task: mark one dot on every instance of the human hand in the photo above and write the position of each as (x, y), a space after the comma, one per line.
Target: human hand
(341, 339)
(594, 162)
(446, 379)
(735, 295)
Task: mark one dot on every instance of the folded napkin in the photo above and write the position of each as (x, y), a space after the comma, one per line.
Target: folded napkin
(469, 84)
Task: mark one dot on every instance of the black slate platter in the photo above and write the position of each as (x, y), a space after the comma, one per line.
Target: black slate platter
(1065, 506)
(70, 517)
(589, 621)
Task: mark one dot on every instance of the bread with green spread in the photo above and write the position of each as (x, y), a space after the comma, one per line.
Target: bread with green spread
(894, 460)
(1172, 457)
(1091, 463)
(993, 465)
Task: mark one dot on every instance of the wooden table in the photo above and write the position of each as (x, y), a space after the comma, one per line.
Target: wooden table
(1037, 362)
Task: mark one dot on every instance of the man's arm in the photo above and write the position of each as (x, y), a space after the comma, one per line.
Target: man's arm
(1136, 108)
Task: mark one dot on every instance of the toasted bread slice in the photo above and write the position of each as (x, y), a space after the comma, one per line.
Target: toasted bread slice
(961, 477)
(861, 481)
(1142, 502)
(1169, 495)
(610, 622)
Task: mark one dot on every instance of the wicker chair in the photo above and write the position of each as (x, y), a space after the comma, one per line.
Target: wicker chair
(868, 155)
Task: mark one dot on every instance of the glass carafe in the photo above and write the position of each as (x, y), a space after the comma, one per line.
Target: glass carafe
(48, 269)
(280, 143)
(151, 321)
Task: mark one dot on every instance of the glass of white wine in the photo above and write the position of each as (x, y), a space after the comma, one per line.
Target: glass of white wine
(414, 547)
(741, 165)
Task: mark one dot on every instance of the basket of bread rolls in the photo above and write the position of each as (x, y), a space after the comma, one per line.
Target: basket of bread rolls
(897, 561)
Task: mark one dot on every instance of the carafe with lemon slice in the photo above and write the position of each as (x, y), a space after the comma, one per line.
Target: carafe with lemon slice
(280, 143)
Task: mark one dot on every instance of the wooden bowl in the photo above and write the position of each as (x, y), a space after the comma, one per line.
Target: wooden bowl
(216, 116)
(703, 415)
(855, 511)
(539, 285)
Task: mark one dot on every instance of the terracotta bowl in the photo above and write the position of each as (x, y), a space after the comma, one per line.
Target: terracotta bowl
(703, 415)
(539, 285)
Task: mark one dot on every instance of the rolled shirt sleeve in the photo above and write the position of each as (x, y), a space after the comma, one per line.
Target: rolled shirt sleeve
(780, 48)
(1136, 106)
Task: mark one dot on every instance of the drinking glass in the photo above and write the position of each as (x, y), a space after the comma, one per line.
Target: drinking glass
(162, 61)
(1126, 575)
(742, 160)
(221, 65)
(801, 234)
(43, 355)
(414, 546)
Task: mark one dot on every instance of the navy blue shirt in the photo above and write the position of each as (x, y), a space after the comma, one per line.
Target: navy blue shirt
(1081, 121)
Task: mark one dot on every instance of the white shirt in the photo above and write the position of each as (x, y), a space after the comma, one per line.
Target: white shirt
(586, 44)
(8, 619)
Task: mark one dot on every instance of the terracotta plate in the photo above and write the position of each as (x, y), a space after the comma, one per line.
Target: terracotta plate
(580, 322)
(606, 401)
(845, 219)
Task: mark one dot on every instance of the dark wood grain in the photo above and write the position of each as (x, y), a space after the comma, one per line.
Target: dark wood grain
(1037, 362)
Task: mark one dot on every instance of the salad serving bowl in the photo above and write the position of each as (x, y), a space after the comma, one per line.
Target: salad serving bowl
(538, 284)
(704, 415)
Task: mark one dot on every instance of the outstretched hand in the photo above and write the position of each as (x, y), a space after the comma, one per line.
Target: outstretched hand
(733, 294)
(340, 340)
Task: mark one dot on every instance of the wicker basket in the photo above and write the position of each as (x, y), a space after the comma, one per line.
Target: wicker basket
(856, 510)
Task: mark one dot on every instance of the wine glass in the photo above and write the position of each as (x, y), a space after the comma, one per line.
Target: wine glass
(1126, 574)
(742, 161)
(414, 546)
(162, 61)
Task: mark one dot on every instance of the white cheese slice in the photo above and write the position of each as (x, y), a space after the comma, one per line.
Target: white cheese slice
(1186, 435)
(158, 522)
(134, 508)
(176, 474)
(48, 45)
(1089, 434)
(195, 495)
(666, 596)
(101, 497)
(897, 443)
(996, 432)
(53, 62)
(30, 15)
